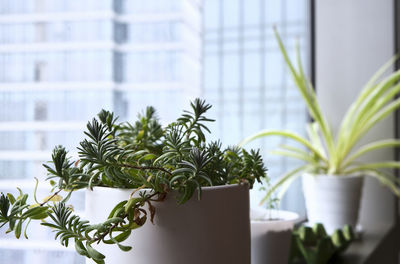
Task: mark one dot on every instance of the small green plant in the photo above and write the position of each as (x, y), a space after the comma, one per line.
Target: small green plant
(326, 153)
(315, 246)
(143, 155)
(272, 203)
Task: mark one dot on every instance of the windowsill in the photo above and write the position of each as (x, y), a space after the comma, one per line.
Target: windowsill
(377, 245)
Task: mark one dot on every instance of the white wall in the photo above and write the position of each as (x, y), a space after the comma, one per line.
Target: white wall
(353, 39)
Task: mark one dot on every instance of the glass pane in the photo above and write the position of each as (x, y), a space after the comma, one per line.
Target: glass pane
(231, 13)
(256, 85)
(231, 70)
(59, 69)
(212, 13)
(252, 12)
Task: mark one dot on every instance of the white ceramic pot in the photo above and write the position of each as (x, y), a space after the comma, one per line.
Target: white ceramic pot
(332, 200)
(270, 239)
(215, 229)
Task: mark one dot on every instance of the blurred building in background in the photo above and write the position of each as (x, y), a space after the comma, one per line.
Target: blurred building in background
(246, 79)
(62, 61)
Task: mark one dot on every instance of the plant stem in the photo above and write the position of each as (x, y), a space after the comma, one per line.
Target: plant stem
(146, 168)
(51, 197)
(98, 239)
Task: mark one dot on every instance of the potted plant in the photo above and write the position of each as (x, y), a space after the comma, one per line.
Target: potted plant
(163, 191)
(332, 173)
(271, 232)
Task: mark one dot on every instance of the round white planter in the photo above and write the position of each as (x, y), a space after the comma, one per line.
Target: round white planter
(332, 200)
(270, 239)
(215, 229)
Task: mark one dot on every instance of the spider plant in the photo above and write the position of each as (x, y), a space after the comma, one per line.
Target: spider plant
(338, 154)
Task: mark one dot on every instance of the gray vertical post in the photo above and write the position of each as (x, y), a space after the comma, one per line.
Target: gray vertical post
(353, 39)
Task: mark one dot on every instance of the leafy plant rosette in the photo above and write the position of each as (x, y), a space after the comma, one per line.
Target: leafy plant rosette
(327, 154)
(138, 156)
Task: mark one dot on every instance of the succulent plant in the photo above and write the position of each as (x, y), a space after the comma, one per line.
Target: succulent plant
(141, 156)
(315, 246)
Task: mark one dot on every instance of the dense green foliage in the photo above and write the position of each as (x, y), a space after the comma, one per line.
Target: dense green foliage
(143, 155)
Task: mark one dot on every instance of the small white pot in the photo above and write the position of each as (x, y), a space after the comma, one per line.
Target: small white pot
(270, 239)
(214, 230)
(332, 200)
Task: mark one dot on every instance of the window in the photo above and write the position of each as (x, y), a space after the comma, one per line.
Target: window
(246, 79)
(61, 61)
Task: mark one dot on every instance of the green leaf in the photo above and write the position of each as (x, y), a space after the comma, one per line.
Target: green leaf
(296, 155)
(93, 253)
(378, 74)
(109, 241)
(338, 239)
(131, 202)
(35, 190)
(281, 181)
(113, 220)
(80, 248)
(11, 198)
(23, 199)
(20, 193)
(67, 197)
(26, 228)
(116, 208)
(308, 94)
(149, 157)
(187, 193)
(374, 165)
(91, 180)
(12, 225)
(124, 248)
(140, 135)
(120, 238)
(18, 229)
(99, 261)
(387, 143)
(39, 216)
(319, 230)
(106, 181)
(315, 139)
(307, 235)
(178, 177)
(287, 134)
(366, 111)
(123, 236)
(32, 212)
(286, 184)
(348, 233)
(388, 180)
